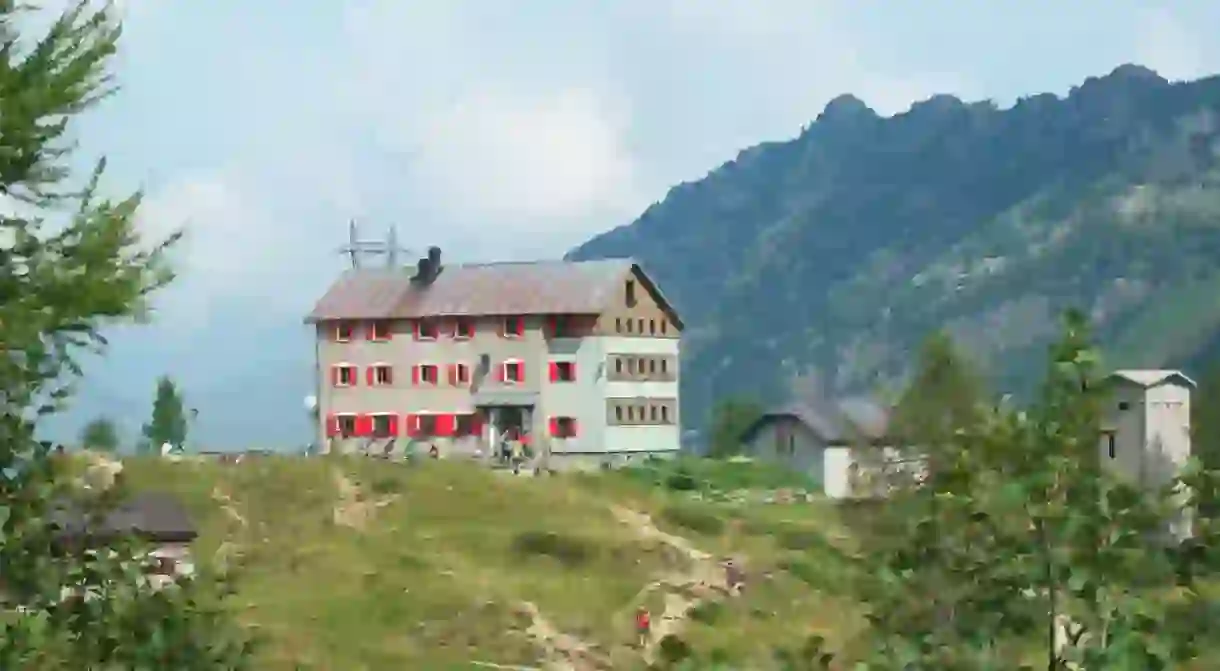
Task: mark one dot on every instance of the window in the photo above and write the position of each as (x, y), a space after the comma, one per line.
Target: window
(664, 366)
(563, 427)
(652, 366)
(513, 327)
(513, 372)
(426, 329)
(1110, 446)
(343, 375)
(652, 327)
(163, 566)
(425, 425)
(630, 325)
(463, 329)
(563, 326)
(459, 374)
(379, 330)
(630, 293)
(343, 331)
(665, 414)
(467, 425)
(618, 324)
(631, 413)
(640, 322)
(664, 326)
(381, 375)
(425, 373)
(618, 365)
(652, 413)
(1123, 405)
(563, 371)
(347, 425)
(385, 426)
(618, 413)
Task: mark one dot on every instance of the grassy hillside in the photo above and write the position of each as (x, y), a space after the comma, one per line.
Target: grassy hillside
(354, 565)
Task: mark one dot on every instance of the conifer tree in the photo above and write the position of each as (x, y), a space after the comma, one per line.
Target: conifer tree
(72, 262)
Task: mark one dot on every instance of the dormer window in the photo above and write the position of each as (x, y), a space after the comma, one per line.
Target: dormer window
(343, 331)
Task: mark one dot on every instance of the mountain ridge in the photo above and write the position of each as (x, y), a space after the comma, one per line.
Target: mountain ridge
(854, 239)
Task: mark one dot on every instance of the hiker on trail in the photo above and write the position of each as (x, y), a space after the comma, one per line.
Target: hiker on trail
(734, 577)
(643, 626)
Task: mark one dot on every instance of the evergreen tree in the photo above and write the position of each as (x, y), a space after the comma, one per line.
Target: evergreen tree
(1024, 552)
(168, 423)
(100, 434)
(730, 419)
(71, 263)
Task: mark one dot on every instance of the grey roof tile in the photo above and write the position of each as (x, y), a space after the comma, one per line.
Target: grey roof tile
(527, 288)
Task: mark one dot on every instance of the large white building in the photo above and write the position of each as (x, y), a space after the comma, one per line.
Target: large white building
(579, 357)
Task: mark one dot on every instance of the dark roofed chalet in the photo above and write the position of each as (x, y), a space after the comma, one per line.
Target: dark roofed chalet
(851, 421)
(482, 289)
(157, 517)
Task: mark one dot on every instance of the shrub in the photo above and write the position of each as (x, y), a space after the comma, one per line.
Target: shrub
(681, 481)
(699, 521)
(567, 550)
(707, 612)
(674, 649)
(799, 539)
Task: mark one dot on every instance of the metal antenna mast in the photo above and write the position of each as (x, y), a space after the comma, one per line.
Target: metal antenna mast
(357, 249)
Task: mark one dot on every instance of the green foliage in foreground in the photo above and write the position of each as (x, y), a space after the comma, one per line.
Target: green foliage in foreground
(1019, 549)
(69, 264)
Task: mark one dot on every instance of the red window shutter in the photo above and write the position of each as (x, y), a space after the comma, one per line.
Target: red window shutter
(553, 426)
(415, 328)
(476, 424)
(519, 326)
(500, 372)
(364, 425)
(470, 327)
(412, 422)
(334, 376)
(552, 325)
(452, 369)
(573, 427)
(444, 425)
(393, 425)
(520, 372)
(415, 374)
(572, 367)
(553, 371)
(332, 425)
(370, 375)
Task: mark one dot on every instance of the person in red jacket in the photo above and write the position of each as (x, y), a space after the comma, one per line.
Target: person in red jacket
(643, 626)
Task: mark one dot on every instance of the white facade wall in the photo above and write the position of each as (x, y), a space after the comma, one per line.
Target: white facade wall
(651, 439)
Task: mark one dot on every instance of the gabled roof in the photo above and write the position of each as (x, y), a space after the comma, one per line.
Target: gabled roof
(843, 421)
(155, 516)
(526, 288)
(1151, 378)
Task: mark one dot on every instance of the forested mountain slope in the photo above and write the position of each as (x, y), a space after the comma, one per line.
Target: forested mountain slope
(843, 248)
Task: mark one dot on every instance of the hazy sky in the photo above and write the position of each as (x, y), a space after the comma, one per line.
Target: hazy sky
(517, 129)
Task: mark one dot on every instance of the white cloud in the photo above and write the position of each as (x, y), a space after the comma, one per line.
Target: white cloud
(1167, 46)
(544, 159)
